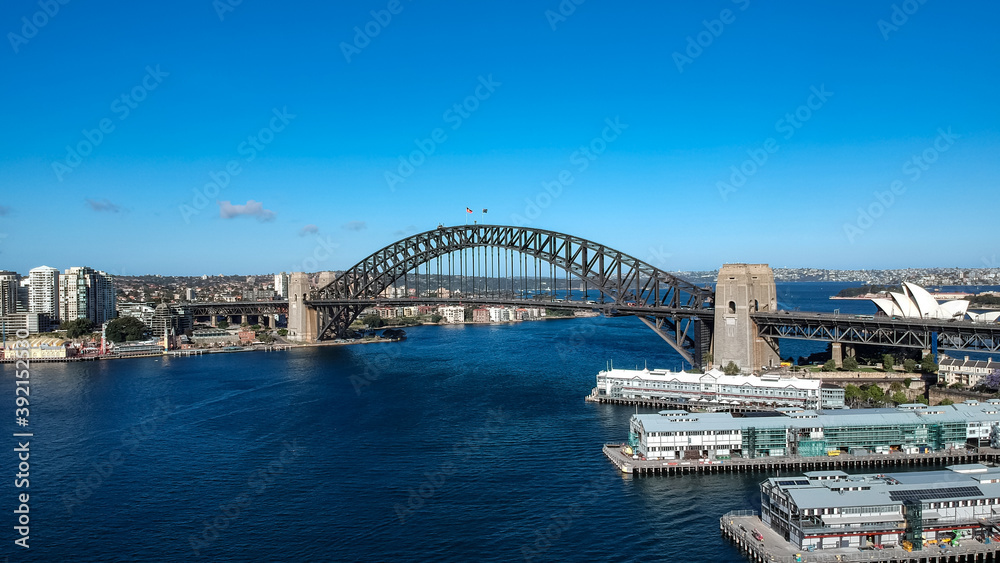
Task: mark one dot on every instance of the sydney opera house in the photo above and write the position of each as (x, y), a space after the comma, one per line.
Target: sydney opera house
(917, 302)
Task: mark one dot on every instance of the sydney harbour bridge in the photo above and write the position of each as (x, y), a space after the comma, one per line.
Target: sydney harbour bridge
(471, 265)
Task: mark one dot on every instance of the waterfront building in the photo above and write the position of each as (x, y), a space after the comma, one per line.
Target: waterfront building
(142, 348)
(41, 348)
(281, 285)
(831, 509)
(31, 322)
(171, 319)
(385, 312)
(965, 371)
(480, 315)
(499, 314)
(43, 295)
(452, 314)
(917, 302)
(831, 396)
(85, 293)
(247, 335)
(677, 434)
(142, 311)
(715, 387)
(211, 336)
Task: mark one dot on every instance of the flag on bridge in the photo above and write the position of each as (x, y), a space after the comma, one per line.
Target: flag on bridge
(484, 211)
(467, 210)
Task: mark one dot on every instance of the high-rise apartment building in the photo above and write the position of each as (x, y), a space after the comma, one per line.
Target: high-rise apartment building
(43, 291)
(9, 282)
(85, 293)
(281, 285)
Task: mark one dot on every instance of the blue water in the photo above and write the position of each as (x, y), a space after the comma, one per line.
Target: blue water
(461, 443)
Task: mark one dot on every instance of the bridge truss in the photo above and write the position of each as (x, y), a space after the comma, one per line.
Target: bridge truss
(495, 264)
(882, 331)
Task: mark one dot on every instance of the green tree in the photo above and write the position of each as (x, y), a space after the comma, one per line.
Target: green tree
(922, 399)
(853, 394)
(896, 387)
(255, 327)
(126, 329)
(909, 365)
(899, 397)
(928, 365)
(731, 369)
(373, 321)
(946, 402)
(436, 318)
(830, 365)
(888, 362)
(707, 358)
(850, 363)
(222, 324)
(906, 382)
(265, 337)
(282, 332)
(77, 328)
(875, 394)
(957, 385)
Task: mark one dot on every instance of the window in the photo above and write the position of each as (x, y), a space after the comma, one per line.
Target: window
(732, 307)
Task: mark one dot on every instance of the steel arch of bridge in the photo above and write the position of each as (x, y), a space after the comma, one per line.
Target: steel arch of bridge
(671, 306)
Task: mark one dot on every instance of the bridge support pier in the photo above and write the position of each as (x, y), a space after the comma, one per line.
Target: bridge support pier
(743, 289)
(302, 320)
(837, 351)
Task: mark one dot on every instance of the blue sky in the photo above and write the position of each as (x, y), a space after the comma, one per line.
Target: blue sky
(203, 92)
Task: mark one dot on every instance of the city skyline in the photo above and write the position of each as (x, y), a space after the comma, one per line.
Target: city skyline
(598, 119)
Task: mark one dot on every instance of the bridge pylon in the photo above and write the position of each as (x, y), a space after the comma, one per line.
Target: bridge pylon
(303, 320)
(743, 289)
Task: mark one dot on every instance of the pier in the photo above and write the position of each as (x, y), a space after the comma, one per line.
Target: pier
(845, 462)
(738, 527)
(689, 406)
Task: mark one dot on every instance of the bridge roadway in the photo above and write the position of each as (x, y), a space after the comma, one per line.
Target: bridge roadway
(883, 331)
(609, 309)
(799, 325)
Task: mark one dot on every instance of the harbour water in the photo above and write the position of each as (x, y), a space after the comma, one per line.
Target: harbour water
(461, 443)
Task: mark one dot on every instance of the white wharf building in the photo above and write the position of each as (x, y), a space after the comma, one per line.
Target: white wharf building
(714, 388)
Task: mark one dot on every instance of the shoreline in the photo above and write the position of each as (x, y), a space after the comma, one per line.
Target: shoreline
(282, 347)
